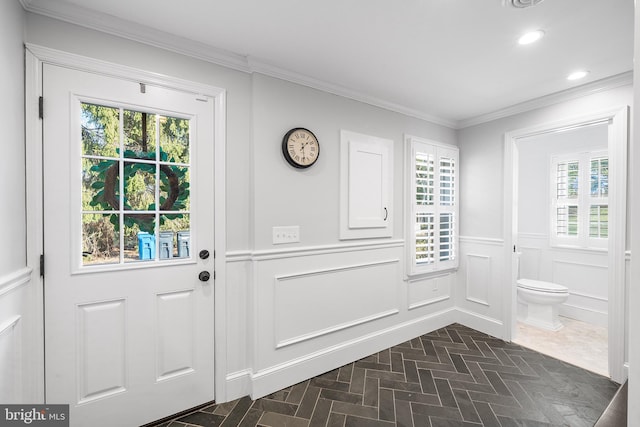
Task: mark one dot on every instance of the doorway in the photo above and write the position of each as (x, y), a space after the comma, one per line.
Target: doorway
(129, 318)
(562, 236)
(615, 125)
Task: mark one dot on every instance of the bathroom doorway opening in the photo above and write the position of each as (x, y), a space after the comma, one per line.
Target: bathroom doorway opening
(575, 243)
(561, 240)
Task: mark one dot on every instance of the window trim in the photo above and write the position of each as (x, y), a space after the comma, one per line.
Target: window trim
(584, 201)
(437, 149)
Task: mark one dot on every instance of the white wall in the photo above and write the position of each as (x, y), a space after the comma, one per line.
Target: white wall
(583, 272)
(481, 210)
(323, 302)
(13, 227)
(299, 309)
(634, 218)
(534, 168)
(19, 358)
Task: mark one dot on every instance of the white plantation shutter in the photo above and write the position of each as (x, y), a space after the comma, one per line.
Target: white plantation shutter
(433, 228)
(579, 200)
(448, 206)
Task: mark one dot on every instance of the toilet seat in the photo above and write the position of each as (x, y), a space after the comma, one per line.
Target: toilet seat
(540, 286)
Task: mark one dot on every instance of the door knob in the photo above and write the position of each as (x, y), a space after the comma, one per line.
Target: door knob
(204, 276)
(204, 254)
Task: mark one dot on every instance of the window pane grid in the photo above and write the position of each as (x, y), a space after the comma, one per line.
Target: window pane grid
(567, 180)
(567, 220)
(600, 177)
(135, 185)
(424, 239)
(447, 181)
(599, 221)
(424, 179)
(447, 234)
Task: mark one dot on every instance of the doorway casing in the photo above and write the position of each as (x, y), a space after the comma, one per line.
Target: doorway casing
(618, 140)
(35, 56)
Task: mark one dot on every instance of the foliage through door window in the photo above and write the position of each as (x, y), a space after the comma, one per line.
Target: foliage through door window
(135, 185)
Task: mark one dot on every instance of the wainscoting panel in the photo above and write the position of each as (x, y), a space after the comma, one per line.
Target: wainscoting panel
(313, 303)
(238, 320)
(478, 278)
(584, 272)
(315, 309)
(424, 292)
(19, 375)
(479, 284)
(10, 360)
(306, 303)
(581, 277)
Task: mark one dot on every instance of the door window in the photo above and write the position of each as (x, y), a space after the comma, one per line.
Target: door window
(135, 186)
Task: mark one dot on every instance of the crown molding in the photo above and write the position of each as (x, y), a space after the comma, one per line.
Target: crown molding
(608, 83)
(123, 28)
(109, 24)
(263, 67)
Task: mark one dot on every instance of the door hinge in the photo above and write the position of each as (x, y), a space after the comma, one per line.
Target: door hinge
(41, 107)
(214, 275)
(41, 265)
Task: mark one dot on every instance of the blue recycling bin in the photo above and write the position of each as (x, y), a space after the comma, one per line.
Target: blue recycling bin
(183, 244)
(146, 246)
(166, 244)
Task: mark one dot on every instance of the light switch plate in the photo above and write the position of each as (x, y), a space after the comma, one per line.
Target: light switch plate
(288, 234)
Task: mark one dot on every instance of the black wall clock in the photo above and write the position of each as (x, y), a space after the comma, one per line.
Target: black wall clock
(300, 148)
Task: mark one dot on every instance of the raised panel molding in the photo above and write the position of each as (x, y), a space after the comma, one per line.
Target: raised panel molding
(336, 289)
(175, 344)
(291, 371)
(589, 276)
(428, 291)
(478, 278)
(102, 351)
(10, 360)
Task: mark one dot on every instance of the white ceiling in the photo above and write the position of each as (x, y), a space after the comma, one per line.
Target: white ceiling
(447, 60)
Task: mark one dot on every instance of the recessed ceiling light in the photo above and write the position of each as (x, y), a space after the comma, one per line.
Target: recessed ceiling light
(530, 37)
(577, 75)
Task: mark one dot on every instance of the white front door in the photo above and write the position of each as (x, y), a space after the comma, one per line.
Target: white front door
(128, 208)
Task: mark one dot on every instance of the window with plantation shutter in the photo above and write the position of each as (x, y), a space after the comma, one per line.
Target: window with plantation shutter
(432, 232)
(580, 200)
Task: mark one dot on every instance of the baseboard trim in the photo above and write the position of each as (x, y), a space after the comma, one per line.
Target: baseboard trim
(479, 322)
(238, 385)
(292, 372)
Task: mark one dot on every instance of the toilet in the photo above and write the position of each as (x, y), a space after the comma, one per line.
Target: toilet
(538, 303)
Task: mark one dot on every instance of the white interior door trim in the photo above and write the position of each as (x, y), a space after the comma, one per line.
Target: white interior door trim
(618, 119)
(38, 55)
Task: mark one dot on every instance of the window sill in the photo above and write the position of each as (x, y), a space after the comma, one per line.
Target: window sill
(414, 277)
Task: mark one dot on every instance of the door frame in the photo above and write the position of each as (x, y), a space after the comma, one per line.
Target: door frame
(35, 57)
(618, 145)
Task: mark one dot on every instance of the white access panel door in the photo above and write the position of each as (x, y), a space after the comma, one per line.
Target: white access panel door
(366, 175)
(128, 205)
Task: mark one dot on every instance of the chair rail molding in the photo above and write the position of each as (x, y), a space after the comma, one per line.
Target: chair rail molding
(14, 280)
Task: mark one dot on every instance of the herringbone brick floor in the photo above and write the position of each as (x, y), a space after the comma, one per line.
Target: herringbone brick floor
(454, 376)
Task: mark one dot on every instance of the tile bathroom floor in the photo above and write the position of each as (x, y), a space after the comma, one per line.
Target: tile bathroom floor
(454, 376)
(578, 343)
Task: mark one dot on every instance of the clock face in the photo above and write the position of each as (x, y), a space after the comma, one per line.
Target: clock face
(300, 148)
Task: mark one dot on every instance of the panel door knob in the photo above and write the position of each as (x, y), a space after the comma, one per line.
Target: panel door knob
(204, 276)
(204, 254)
